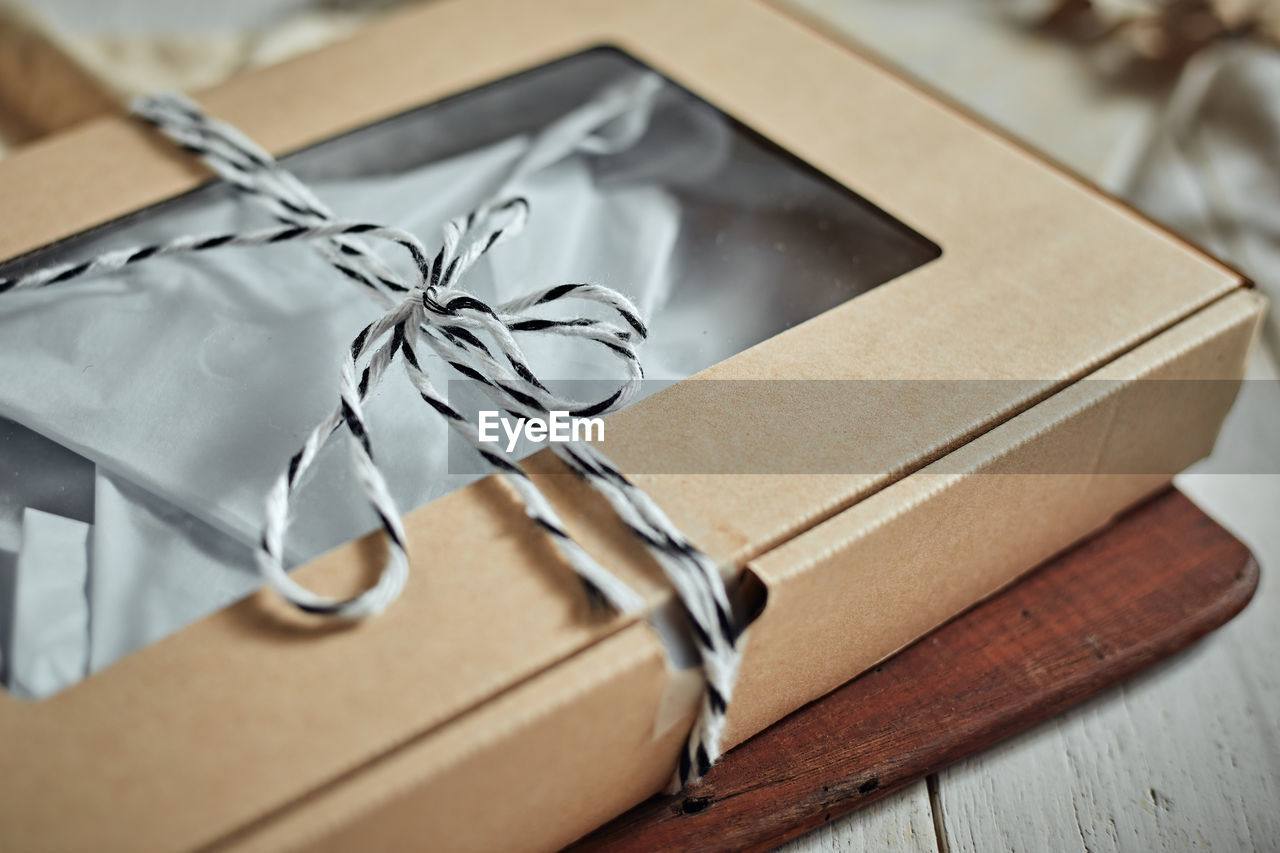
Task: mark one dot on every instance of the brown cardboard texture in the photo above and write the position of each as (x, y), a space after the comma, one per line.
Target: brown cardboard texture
(487, 709)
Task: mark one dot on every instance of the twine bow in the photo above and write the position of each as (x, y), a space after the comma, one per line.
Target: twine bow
(429, 310)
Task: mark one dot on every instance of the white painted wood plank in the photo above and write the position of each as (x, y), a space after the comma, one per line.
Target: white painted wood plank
(1186, 757)
(900, 822)
(1183, 759)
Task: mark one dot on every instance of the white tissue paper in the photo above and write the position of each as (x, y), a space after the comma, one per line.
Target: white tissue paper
(50, 644)
(155, 569)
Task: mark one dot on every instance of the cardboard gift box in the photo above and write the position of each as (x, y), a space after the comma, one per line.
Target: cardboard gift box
(1054, 359)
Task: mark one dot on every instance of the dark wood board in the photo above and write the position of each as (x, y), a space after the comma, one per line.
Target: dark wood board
(1161, 577)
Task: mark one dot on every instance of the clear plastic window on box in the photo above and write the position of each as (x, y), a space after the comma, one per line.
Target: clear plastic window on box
(144, 413)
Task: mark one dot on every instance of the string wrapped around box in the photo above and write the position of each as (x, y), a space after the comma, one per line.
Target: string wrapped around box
(428, 311)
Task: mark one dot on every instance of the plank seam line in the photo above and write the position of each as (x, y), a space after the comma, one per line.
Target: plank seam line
(935, 811)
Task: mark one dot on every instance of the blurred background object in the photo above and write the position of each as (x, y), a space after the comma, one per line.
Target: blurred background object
(1158, 29)
(1208, 163)
(43, 88)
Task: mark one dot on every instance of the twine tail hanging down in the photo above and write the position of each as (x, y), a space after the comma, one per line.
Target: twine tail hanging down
(427, 311)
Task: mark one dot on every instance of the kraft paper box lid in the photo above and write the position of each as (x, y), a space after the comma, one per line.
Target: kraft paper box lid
(254, 709)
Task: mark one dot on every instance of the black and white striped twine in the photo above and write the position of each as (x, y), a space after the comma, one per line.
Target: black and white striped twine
(479, 341)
